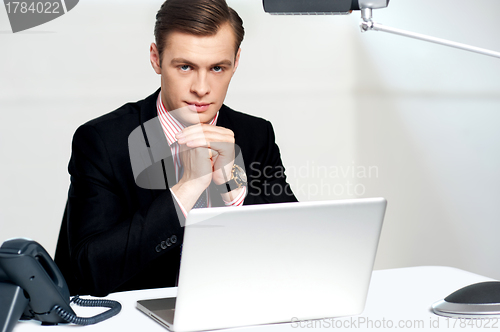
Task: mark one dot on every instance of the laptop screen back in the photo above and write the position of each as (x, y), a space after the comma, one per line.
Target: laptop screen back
(276, 263)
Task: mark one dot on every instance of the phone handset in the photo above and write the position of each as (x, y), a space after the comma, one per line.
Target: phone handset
(34, 288)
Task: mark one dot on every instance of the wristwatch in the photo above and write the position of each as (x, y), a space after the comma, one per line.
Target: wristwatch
(238, 180)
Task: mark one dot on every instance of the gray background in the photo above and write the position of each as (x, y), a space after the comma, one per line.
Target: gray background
(425, 117)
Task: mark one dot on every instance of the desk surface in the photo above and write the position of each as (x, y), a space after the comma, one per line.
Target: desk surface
(397, 299)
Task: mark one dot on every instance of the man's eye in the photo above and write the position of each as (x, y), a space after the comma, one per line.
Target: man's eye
(185, 68)
(217, 69)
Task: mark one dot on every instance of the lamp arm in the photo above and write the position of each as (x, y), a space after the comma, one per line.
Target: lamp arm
(368, 25)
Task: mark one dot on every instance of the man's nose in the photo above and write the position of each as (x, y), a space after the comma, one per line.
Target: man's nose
(200, 85)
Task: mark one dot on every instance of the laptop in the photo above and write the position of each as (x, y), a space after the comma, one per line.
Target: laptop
(272, 263)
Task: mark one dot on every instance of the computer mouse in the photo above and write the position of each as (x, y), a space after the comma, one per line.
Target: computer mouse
(474, 301)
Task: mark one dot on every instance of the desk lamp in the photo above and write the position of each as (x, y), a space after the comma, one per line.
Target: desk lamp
(479, 300)
(340, 7)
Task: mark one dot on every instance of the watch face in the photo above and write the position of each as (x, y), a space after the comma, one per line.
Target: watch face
(240, 174)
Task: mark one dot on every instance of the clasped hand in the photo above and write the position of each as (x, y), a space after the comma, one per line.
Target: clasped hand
(207, 154)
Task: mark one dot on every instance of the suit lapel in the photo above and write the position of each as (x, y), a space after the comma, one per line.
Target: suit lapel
(148, 108)
(159, 150)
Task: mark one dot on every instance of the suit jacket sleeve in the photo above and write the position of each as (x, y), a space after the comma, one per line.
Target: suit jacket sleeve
(111, 236)
(266, 173)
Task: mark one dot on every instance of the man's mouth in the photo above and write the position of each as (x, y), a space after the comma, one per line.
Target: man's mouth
(198, 107)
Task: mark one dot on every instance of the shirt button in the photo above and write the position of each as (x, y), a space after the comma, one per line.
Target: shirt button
(163, 245)
(173, 238)
(158, 249)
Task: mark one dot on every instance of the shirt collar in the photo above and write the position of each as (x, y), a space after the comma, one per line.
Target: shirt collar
(171, 126)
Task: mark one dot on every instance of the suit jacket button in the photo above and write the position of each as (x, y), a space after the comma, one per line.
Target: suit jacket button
(163, 245)
(168, 242)
(173, 238)
(158, 249)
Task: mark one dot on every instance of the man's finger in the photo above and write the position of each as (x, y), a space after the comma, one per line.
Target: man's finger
(206, 137)
(224, 148)
(212, 134)
(205, 129)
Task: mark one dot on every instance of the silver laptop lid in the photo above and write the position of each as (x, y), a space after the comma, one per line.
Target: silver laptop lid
(276, 263)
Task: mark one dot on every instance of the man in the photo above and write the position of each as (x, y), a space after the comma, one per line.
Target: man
(122, 229)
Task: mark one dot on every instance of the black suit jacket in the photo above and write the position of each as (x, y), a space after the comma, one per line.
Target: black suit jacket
(118, 236)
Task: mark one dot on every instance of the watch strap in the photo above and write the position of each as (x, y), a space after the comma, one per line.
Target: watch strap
(227, 187)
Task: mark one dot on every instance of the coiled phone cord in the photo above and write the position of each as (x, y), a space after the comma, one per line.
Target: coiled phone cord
(114, 306)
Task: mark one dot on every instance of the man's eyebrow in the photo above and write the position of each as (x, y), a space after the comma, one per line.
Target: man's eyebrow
(223, 62)
(187, 62)
(181, 60)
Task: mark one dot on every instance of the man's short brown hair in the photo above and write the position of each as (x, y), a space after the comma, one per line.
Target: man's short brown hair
(196, 17)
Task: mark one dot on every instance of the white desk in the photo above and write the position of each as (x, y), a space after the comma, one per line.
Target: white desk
(396, 296)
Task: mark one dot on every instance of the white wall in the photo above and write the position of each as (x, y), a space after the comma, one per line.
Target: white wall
(429, 117)
(420, 119)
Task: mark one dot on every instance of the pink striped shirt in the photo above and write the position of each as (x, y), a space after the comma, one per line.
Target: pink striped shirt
(171, 126)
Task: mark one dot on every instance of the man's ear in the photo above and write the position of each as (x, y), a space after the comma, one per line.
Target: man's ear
(237, 60)
(154, 57)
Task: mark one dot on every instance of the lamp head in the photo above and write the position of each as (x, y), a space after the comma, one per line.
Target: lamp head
(320, 7)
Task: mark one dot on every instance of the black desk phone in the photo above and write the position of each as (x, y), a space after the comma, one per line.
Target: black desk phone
(32, 287)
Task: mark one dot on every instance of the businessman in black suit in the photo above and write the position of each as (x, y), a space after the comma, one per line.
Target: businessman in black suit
(122, 227)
